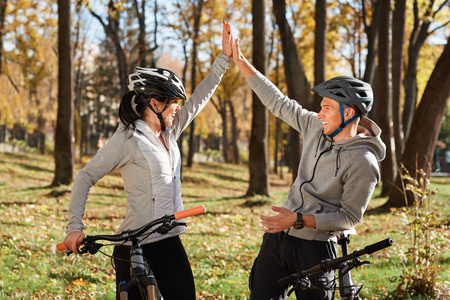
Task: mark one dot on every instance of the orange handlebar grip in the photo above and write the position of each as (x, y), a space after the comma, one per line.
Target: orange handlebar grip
(60, 247)
(190, 212)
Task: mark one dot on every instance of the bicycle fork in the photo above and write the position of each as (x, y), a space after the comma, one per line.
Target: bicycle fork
(139, 271)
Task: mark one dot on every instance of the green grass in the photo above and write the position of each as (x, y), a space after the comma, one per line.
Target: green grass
(221, 244)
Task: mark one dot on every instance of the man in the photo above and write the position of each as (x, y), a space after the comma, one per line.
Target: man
(337, 175)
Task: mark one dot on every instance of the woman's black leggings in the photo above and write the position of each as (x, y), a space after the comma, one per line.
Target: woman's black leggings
(169, 263)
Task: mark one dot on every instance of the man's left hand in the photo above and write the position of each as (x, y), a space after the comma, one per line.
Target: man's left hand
(282, 221)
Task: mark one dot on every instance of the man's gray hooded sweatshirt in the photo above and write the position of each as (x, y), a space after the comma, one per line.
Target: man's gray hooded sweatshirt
(150, 172)
(335, 179)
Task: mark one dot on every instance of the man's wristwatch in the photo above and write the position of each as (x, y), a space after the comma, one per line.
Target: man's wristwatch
(299, 224)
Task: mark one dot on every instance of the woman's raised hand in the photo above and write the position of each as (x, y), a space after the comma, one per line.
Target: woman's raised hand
(227, 39)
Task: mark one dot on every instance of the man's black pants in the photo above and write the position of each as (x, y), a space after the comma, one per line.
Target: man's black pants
(282, 255)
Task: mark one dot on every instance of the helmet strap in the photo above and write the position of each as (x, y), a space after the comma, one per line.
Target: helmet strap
(343, 123)
(159, 114)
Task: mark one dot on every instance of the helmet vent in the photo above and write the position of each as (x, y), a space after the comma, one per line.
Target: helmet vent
(339, 94)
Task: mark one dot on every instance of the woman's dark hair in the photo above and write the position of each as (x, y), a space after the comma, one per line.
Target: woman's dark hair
(126, 113)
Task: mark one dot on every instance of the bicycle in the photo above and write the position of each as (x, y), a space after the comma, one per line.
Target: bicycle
(141, 274)
(347, 290)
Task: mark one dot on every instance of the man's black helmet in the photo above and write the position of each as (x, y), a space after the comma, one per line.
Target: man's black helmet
(347, 90)
(156, 81)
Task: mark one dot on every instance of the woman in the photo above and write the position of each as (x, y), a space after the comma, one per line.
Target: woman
(144, 148)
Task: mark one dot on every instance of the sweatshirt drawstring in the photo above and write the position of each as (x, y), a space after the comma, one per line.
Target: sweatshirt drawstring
(317, 148)
(338, 164)
(329, 148)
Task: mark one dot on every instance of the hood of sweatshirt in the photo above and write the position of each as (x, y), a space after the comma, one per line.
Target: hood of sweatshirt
(369, 136)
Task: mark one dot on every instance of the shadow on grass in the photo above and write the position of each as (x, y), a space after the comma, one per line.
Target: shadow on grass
(70, 277)
(215, 199)
(228, 178)
(98, 218)
(212, 175)
(18, 192)
(19, 155)
(17, 203)
(18, 224)
(58, 193)
(34, 168)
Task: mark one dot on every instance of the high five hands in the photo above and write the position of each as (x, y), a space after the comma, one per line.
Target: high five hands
(230, 45)
(231, 49)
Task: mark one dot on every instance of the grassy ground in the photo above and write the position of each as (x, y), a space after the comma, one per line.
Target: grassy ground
(221, 244)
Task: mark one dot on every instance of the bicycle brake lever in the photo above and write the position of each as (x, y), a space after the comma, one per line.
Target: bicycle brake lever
(166, 227)
(300, 284)
(360, 263)
(92, 248)
(353, 264)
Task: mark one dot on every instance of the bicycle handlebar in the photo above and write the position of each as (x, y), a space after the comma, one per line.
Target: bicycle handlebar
(329, 264)
(130, 234)
(198, 210)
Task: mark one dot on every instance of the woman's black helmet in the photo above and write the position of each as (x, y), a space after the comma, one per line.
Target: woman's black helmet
(347, 90)
(156, 81)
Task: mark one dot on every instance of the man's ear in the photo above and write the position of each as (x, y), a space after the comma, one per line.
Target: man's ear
(349, 113)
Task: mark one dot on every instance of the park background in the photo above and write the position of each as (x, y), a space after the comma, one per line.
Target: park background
(64, 67)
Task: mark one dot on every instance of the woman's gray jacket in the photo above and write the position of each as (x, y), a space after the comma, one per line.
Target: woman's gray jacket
(150, 173)
(335, 179)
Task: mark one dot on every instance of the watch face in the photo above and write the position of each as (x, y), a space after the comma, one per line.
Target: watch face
(299, 225)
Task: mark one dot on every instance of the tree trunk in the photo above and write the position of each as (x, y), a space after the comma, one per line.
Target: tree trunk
(142, 43)
(398, 31)
(425, 128)
(297, 83)
(223, 115)
(416, 41)
(183, 79)
(259, 145)
(144, 49)
(79, 46)
(2, 28)
(196, 29)
(277, 145)
(384, 96)
(371, 31)
(319, 48)
(84, 134)
(64, 124)
(234, 134)
(278, 121)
